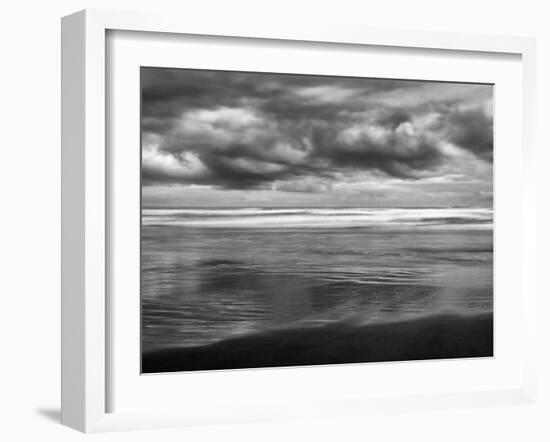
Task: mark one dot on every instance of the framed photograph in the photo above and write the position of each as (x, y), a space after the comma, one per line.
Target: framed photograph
(263, 223)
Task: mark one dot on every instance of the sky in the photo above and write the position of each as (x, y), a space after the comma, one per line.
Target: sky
(242, 139)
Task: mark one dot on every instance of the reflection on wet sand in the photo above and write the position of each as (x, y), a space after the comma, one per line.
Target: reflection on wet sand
(207, 286)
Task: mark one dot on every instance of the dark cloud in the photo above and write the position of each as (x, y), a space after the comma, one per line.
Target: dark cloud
(393, 118)
(472, 130)
(248, 130)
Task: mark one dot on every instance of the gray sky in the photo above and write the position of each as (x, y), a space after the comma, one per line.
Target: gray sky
(214, 138)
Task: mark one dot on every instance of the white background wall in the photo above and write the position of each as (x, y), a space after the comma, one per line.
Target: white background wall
(30, 221)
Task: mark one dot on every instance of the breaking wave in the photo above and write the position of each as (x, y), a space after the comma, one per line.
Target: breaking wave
(432, 218)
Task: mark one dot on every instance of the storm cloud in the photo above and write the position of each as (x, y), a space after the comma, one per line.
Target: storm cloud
(309, 134)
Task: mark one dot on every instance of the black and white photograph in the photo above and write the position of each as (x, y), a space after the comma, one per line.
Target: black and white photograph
(300, 220)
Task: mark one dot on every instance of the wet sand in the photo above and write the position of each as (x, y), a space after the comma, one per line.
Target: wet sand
(433, 337)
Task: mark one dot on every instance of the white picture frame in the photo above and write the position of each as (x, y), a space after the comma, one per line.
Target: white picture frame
(86, 204)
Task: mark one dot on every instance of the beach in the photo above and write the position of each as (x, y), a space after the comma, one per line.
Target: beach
(434, 337)
(260, 287)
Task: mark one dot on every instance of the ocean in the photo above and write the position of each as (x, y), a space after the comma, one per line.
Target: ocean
(213, 275)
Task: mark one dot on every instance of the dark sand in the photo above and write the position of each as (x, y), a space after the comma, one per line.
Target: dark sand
(434, 337)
